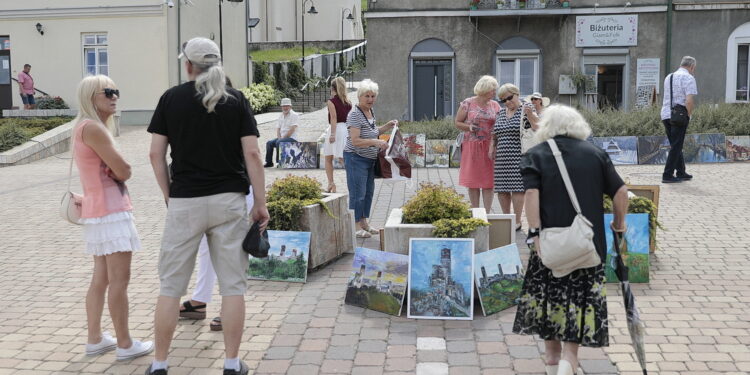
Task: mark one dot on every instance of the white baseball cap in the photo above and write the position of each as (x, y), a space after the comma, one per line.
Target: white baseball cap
(201, 51)
(286, 101)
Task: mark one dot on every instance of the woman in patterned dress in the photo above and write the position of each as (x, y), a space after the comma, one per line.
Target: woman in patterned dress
(573, 308)
(475, 117)
(505, 149)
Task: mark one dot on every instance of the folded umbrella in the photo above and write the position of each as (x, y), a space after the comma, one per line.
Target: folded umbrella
(635, 325)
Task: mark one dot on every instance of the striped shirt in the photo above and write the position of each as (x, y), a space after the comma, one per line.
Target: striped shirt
(367, 130)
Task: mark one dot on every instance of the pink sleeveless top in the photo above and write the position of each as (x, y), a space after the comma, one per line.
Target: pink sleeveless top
(102, 195)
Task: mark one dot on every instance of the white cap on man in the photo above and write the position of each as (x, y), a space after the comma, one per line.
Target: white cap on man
(286, 101)
(201, 51)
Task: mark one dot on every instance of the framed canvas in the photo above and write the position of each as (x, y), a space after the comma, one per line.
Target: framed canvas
(498, 274)
(378, 281)
(441, 284)
(705, 148)
(502, 229)
(738, 148)
(653, 149)
(415, 144)
(622, 150)
(298, 155)
(636, 248)
(438, 153)
(453, 162)
(287, 258)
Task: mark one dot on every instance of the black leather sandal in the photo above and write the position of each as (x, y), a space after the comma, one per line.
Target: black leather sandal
(191, 312)
(216, 324)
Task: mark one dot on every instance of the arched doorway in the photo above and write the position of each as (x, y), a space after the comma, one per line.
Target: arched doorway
(431, 83)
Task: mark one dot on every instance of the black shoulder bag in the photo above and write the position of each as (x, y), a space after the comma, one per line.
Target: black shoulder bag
(679, 116)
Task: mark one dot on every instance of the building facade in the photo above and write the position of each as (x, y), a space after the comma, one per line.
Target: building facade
(281, 20)
(136, 42)
(427, 56)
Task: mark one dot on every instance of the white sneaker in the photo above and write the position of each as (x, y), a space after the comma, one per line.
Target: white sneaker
(136, 350)
(107, 344)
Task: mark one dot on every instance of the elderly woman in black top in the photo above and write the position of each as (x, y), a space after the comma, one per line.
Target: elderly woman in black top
(572, 308)
(361, 154)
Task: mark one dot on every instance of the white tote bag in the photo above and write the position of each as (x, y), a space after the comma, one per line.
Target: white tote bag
(527, 135)
(566, 249)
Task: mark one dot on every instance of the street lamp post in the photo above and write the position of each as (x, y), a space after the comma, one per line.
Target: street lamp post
(311, 11)
(350, 17)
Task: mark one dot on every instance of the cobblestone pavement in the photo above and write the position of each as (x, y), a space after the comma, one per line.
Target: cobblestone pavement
(695, 306)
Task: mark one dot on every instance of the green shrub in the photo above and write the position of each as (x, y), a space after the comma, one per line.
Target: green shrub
(295, 187)
(11, 136)
(443, 128)
(285, 214)
(260, 96)
(434, 202)
(260, 72)
(457, 228)
(727, 118)
(296, 75)
(279, 79)
(286, 198)
(48, 102)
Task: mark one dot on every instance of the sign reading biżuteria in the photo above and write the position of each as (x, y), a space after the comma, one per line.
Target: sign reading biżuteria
(607, 31)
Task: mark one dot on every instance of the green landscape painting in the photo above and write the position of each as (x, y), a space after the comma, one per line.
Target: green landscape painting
(287, 258)
(498, 277)
(635, 248)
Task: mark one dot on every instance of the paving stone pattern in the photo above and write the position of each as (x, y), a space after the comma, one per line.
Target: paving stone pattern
(695, 306)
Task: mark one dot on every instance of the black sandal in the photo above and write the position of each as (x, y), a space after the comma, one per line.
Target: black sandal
(191, 312)
(518, 227)
(216, 324)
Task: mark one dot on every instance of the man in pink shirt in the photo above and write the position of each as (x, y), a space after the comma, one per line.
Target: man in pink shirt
(26, 87)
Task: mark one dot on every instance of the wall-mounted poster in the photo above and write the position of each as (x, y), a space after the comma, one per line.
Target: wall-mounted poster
(653, 149)
(738, 148)
(635, 248)
(298, 155)
(498, 275)
(647, 73)
(287, 258)
(622, 150)
(438, 153)
(378, 281)
(441, 284)
(705, 148)
(415, 144)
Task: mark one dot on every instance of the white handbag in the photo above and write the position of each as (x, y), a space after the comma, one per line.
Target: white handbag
(70, 205)
(527, 135)
(566, 249)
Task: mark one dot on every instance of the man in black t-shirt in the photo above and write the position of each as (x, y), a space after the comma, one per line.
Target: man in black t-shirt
(213, 138)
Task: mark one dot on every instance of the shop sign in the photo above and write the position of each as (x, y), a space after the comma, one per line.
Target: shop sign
(607, 31)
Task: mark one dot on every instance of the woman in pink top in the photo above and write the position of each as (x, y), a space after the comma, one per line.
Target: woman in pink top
(476, 117)
(108, 227)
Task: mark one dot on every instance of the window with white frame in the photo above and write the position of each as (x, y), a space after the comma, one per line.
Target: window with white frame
(743, 78)
(95, 55)
(522, 71)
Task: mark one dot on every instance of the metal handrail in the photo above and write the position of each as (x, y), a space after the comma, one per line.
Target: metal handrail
(35, 89)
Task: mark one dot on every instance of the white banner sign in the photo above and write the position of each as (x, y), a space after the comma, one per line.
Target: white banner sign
(607, 31)
(648, 73)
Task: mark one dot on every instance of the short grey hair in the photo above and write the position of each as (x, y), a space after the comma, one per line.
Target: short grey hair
(508, 88)
(367, 86)
(560, 119)
(687, 61)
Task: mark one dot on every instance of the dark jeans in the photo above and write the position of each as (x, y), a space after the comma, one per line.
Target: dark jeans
(270, 145)
(675, 160)
(360, 180)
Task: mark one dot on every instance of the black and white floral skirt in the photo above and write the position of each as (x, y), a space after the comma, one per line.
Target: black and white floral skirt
(571, 308)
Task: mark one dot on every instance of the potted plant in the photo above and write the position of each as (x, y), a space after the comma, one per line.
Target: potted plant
(522, 4)
(297, 203)
(500, 4)
(435, 211)
(474, 4)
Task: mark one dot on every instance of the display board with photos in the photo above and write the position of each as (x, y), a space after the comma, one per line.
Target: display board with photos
(378, 281)
(441, 284)
(287, 258)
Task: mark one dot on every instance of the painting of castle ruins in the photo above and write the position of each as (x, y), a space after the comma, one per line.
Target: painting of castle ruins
(499, 276)
(378, 281)
(440, 278)
(287, 258)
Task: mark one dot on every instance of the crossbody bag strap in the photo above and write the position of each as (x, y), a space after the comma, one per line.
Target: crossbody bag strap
(72, 155)
(564, 174)
(671, 95)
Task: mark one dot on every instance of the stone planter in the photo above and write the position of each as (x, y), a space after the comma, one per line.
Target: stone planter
(329, 236)
(397, 234)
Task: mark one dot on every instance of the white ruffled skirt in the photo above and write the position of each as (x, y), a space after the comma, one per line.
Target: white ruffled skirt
(110, 234)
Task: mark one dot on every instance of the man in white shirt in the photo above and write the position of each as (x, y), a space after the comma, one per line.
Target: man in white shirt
(286, 130)
(679, 90)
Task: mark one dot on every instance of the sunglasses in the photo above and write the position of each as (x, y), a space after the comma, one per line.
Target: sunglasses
(507, 99)
(109, 93)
